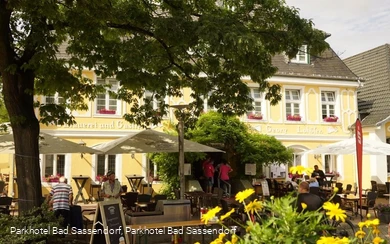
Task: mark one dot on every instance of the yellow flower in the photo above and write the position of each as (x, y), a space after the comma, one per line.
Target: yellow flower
(335, 189)
(332, 240)
(360, 234)
(234, 239)
(376, 231)
(368, 216)
(369, 223)
(299, 169)
(334, 211)
(210, 214)
(361, 224)
(227, 214)
(304, 205)
(228, 242)
(377, 240)
(254, 206)
(242, 195)
(221, 236)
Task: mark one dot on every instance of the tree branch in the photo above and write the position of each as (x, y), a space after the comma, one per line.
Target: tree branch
(6, 49)
(151, 34)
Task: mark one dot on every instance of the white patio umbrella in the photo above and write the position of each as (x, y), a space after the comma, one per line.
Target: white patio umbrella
(149, 141)
(348, 146)
(345, 147)
(48, 144)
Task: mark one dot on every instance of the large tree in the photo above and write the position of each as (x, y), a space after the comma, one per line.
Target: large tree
(158, 45)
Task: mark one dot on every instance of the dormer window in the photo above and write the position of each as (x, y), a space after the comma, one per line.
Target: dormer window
(302, 56)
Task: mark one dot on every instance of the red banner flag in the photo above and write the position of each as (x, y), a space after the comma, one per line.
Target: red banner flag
(359, 155)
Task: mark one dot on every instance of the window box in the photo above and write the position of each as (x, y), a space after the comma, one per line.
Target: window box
(255, 116)
(101, 178)
(331, 119)
(52, 178)
(295, 117)
(106, 111)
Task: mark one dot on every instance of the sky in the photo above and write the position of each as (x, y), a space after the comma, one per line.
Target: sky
(355, 25)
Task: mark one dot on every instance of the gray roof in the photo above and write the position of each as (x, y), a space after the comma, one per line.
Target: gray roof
(324, 66)
(327, 65)
(374, 97)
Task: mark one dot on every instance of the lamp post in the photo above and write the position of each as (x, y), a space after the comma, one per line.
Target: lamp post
(181, 148)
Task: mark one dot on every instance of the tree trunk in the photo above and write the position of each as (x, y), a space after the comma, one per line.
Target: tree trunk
(18, 98)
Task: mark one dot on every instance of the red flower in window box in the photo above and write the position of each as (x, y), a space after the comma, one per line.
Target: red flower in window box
(295, 117)
(106, 111)
(331, 119)
(52, 178)
(255, 116)
(101, 178)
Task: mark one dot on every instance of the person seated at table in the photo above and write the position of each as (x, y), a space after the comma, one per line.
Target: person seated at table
(313, 182)
(312, 201)
(319, 175)
(111, 189)
(291, 184)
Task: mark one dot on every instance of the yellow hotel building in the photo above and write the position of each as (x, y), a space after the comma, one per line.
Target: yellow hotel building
(314, 89)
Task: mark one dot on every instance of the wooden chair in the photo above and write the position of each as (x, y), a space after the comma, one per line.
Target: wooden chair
(369, 203)
(5, 204)
(156, 198)
(348, 190)
(143, 201)
(129, 200)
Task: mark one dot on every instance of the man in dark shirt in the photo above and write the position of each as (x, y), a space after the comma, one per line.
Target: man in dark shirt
(319, 175)
(312, 201)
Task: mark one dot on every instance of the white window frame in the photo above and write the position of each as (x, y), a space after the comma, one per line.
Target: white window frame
(56, 98)
(302, 52)
(118, 166)
(206, 104)
(107, 99)
(336, 102)
(262, 104)
(67, 166)
(301, 102)
(155, 101)
(332, 163)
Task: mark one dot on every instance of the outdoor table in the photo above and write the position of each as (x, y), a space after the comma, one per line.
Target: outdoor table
(354, 199)
(134, 181)
(83, 179)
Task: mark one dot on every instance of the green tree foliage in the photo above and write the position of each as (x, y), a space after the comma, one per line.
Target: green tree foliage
(168, 164)
(241, 144)
(161, 45)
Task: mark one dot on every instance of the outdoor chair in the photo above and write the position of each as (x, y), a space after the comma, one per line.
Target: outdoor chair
(369, 203)
(348, 190)
(156, 198)
(217, 196)
(234, 217)
(5, 204)
(143, 202)
(129, 200)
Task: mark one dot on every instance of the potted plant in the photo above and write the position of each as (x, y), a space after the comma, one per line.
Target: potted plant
(331, 119)
(383, 211)
(257, 116)
(295, 117)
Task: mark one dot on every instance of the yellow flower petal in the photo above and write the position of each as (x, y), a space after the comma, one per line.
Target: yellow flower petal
(304, 205)
(210, 214)
(234, 239)
(377, 240)
(242, 195)
(227, 214)
(360, 234)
